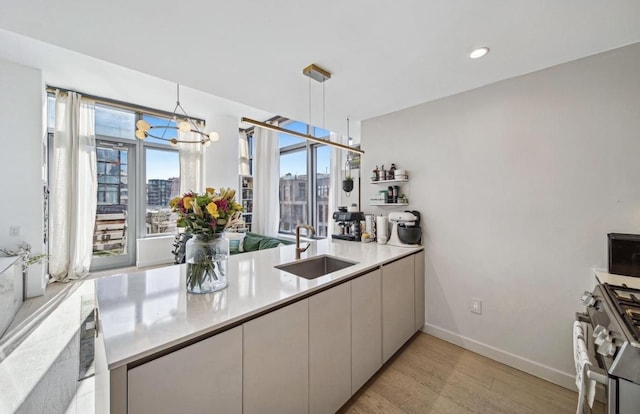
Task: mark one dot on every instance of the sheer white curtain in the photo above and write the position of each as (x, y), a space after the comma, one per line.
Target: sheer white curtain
(191, 162)
(243, 151)
(266, 185)
(338, 159)
(73, 187)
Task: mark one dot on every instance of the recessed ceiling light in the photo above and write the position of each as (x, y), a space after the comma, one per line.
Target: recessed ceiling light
(479, 52)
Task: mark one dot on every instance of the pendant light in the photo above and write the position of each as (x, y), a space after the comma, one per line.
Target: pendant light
(320, 75)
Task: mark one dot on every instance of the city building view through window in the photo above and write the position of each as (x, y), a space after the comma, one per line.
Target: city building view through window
(163, 184)
(304, 180)
(125, 164)
(109, 237)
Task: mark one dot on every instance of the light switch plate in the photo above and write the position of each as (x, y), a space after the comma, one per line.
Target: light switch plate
(476, 306)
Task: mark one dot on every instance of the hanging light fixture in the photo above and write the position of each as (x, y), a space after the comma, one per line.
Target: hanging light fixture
(184, 123)
(318, 74)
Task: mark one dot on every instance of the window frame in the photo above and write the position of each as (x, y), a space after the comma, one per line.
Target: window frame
(128, 259)
(311, 182)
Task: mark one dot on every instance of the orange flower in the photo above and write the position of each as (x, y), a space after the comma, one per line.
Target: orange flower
(210, 190)
(212, 208)
(186, 202)
(174, 202)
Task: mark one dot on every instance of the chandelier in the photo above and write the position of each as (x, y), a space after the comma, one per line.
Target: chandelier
(182, 122)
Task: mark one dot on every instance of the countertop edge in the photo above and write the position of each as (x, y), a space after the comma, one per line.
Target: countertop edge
(215, 329)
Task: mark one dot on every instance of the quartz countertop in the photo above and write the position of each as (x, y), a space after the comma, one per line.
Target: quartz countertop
(146, 312)
(5, 262)
(605, 277)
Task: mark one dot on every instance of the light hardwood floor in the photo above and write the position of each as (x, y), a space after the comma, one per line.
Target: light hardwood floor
(433, 376)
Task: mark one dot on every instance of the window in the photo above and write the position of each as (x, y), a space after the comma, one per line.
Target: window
(293, 196)
(322, 156)
(128, 167)
(136, 180)
(114, 122)
(303, 166)
(110, 231)
(163, 184)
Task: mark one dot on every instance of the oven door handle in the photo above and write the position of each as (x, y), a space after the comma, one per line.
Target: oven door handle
(598, 375)
(583, 317)
(594, 372)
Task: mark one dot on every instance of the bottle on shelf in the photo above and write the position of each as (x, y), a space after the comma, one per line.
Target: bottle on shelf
(391, 172)
(383, 174)
(390, 195)
(375, 176)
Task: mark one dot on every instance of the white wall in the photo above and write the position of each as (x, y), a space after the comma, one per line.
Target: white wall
(21, 185)
(519, 183)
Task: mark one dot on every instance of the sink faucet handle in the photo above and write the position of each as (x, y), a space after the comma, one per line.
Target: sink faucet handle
(311, 232)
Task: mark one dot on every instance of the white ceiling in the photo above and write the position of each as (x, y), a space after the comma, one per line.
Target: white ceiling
(384, 55)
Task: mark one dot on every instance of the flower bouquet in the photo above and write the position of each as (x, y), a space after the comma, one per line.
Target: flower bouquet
(206, 216)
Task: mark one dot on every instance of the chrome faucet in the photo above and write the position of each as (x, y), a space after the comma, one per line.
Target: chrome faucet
(311, 232)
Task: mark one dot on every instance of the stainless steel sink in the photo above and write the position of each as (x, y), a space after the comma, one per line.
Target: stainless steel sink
(316, 266)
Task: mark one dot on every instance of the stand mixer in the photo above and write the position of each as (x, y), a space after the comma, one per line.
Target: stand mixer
(405, 231)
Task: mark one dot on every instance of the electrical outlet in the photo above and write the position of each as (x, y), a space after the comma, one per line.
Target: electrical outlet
(14, 231)
(476, 306)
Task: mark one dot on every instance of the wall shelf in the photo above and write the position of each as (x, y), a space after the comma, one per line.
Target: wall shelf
(380, 203)
(404, 180)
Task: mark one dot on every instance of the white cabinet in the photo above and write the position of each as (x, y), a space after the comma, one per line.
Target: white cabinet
(398, 311)
(276, 361)
(205, 377)
(419, 287)
(366, 323)
(309, 356)
(330, 349)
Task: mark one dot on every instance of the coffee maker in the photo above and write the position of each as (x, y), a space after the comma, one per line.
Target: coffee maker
(349, 223)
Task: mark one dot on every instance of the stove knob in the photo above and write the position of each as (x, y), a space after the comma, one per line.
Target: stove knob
(599, 329)
(601, 334)
(588, 299)
(607, 348)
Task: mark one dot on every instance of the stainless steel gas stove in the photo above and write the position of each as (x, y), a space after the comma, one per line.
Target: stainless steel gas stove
(613, 317)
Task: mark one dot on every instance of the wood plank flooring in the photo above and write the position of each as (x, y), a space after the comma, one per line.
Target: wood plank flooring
(433, 376)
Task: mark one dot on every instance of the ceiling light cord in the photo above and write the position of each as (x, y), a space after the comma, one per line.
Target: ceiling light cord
(320, 75)
(309, 105)
(324, 106)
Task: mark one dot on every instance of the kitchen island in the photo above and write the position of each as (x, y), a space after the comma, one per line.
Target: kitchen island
(150, 331)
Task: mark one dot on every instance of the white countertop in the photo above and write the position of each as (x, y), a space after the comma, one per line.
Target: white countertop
(6, 261)
(145, 312)
(604, 277)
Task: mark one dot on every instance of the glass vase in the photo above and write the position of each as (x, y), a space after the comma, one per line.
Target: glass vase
(207, 258)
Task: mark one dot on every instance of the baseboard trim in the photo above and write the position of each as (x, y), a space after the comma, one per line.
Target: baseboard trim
(547, 373)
